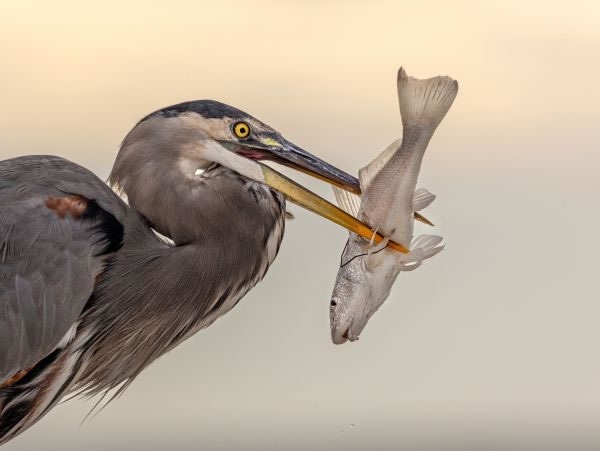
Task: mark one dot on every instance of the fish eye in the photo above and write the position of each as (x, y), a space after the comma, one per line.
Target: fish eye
(241, 129)
(333, 303)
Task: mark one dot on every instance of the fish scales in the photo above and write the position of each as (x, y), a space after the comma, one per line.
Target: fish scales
(388, 204)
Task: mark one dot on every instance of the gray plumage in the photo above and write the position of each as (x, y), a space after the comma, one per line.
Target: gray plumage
(183, 287)
(90, 294)
(47, 264)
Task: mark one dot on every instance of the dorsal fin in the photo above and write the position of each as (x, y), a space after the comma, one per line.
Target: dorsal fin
(368, 173)
(349, 202)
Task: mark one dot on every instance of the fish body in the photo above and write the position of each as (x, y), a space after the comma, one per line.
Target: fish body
(388, 203)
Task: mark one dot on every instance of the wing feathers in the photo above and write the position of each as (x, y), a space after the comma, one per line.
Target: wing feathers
(50, 253)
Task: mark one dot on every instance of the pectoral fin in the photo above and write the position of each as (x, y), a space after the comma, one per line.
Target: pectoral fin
(429, 244)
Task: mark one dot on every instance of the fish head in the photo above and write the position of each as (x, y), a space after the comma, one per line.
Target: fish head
(347, 302)
(363, 283)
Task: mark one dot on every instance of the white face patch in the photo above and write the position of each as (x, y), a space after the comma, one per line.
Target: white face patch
(199, 172)
(213, 151)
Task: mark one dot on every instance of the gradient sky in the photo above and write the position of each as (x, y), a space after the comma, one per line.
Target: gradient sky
(492, 344)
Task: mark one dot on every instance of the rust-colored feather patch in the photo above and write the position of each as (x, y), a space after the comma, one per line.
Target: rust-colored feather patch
(14, 379)
(75, 205)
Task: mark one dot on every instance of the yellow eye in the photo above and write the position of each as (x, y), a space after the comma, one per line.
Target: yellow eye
(241, 129)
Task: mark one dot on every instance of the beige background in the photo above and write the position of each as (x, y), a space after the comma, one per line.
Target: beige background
(491, 345)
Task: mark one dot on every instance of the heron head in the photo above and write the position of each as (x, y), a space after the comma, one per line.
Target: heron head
(192, 136)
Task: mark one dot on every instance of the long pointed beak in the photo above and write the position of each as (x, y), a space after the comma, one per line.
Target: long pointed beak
(297, 158)
(312, 202)
(288, 154)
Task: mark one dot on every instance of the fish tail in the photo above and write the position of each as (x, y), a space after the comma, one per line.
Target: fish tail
(424, 103)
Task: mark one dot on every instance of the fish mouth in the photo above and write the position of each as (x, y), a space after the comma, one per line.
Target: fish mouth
(345, 336)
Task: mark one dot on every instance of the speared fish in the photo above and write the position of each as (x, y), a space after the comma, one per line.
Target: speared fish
(388, 204)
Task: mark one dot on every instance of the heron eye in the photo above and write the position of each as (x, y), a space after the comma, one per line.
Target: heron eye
(241, 129)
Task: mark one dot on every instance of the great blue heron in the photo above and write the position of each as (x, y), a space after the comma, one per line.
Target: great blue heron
(90, 294)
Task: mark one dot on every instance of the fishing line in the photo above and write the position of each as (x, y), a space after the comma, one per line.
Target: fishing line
(359, 255)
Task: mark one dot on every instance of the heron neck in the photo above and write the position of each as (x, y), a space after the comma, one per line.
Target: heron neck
(153, 295)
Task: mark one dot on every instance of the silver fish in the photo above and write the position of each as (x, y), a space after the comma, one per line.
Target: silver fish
(388, 204)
